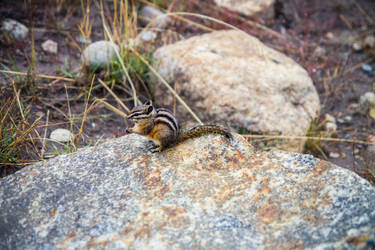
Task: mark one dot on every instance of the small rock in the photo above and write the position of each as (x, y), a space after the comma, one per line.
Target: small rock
(100, 53)
(83, 39)
(61, 135)
(340, 120)
(15, 28)
(369, 41)
(367, 68)
(330, 127)
(155, 16)
(320, 52)
(366, 102)
(330, 118)
(50, 46)
(334, 155)
(356, 46)
(249, 7)
(370, 98)
(148, 35)
(353, 106)
(329, 35)
(130, 43)
(348, 119)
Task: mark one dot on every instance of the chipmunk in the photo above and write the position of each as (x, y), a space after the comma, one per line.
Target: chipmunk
(162, 127)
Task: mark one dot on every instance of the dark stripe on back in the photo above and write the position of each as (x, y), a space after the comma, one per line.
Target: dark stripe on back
(166, 121)
(162, 112)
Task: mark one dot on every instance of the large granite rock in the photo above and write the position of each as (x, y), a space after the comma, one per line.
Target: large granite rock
(206, 193)
(233, 77)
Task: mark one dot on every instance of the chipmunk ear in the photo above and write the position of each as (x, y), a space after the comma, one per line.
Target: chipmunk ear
(149, 102)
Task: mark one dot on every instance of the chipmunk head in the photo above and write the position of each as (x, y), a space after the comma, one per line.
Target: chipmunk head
(141, 112)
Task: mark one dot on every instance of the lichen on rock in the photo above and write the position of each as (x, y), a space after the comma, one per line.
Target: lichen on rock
(204, 193)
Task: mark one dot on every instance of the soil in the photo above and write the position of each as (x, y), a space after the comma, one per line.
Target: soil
(317, 34)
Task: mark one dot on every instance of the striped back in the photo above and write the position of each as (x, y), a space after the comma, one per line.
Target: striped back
(166, 116)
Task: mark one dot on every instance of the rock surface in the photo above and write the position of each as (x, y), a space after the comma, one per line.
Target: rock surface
(15, 28)
(233, 77)
(61, 135)
(247, 7)
(100, 53)
(50, 46)
(206, 193)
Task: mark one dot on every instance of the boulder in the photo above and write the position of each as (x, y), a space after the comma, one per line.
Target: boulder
(206, 193)
(248, 7)
(232, 77)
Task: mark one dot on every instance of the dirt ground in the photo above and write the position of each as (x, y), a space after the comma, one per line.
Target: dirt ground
(317, 34)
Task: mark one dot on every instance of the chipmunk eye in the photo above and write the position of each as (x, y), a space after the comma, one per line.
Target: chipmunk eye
(150, 109)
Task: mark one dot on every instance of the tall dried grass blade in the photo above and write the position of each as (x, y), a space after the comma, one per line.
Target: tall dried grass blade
(114, 95)
(119, 57)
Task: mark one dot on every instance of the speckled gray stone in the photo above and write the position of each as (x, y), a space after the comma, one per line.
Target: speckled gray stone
(15, 28)
(100, 53)
(206, 193)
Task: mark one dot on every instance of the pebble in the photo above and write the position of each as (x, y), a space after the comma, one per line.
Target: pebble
(15, 28)
(100, 53)
(370, 98)
(61, 135)
(330, 127)
(330, 118)
(369, 41)
(353, 106)
(329, 35)
(366, 101)
(356, 46)
(367, 68)
(148, 35)
(83, 39)
(149, 13)
(320, 52)
(348, 119)
(334, 155)
(50, 46)
(340, 120)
